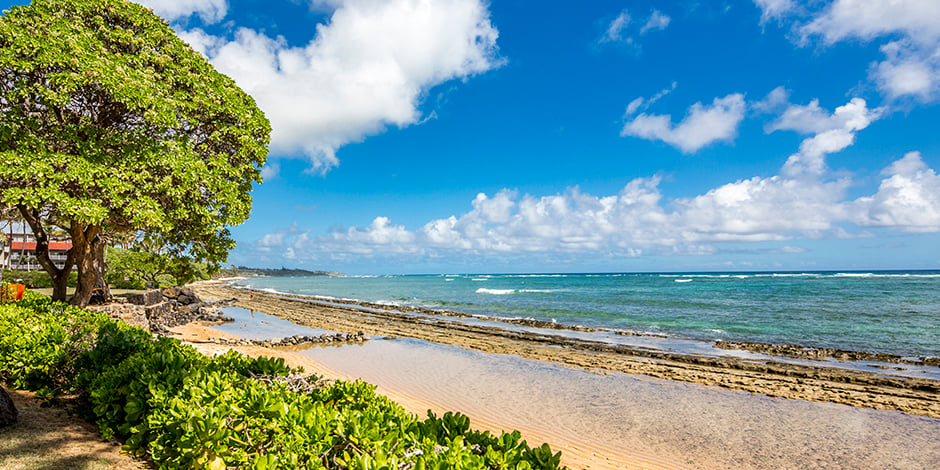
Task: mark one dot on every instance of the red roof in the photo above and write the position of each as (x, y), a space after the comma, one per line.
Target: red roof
(31, 246)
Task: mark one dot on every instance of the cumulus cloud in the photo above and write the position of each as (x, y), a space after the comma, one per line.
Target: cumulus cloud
(833, 133)
(368, 68)
(908, 198)
(911, 67)
(869, 19)
(210, 11)
(702, 125)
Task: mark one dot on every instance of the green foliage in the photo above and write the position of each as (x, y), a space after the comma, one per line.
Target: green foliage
(35, 279)
(186, 410)
(153, 265)
(110, 123)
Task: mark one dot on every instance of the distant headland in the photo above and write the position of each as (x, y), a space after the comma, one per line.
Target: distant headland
(282, 272)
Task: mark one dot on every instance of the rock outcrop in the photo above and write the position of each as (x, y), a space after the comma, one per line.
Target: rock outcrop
(160, 309)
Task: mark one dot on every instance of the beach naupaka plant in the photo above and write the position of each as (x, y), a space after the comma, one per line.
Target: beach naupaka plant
(110, 123)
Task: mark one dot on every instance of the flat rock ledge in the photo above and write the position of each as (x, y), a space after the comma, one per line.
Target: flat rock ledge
(297, 340)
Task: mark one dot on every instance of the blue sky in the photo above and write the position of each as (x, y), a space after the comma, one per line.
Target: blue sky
(426, 136)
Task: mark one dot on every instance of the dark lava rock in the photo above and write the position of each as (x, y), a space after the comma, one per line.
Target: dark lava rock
(8, 413)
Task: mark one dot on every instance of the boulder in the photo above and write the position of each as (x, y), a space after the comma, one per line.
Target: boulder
(171, 292)
(158, 310)
(151, 297)
(8, 413)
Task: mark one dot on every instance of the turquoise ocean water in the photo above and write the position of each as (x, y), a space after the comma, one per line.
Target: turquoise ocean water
(896, 312)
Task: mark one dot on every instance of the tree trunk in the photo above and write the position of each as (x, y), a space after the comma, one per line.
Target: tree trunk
(59, 277)
(100, 281)
(85, 242)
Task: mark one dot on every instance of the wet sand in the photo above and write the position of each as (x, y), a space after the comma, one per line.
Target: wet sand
(911, 395)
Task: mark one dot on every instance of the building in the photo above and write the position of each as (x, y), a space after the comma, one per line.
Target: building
(18, 247)
(23, 254)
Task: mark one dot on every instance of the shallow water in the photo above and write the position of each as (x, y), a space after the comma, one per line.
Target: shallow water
(655, 421)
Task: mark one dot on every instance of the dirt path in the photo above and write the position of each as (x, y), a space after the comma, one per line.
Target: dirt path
(51, 439)
(855, 388)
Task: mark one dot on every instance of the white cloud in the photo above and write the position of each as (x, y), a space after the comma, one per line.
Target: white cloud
(774, 9)
(368, 68)
(641, 103)
(210, 11)
(619, 29)
(909, 70)
(702, 125)
(615, 29)
(777, 98)
(869, 19)
(270, 171)
(657, 21)
(834, 132)
(908, 198)
(811, 118)
(912, 62)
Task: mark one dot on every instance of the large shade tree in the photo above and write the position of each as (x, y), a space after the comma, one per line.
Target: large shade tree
(110, 123)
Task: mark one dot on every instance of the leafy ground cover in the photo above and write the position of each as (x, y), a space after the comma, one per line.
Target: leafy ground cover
(185, 410)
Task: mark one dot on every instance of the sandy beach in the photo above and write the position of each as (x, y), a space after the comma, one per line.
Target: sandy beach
(706, 421)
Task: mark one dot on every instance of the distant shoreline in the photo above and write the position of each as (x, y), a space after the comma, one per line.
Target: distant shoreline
(917, 396)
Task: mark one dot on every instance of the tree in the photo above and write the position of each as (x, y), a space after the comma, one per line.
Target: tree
(151, 261)
(109, 123)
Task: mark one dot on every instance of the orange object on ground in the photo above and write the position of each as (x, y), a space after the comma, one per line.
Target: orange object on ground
(18, 290)
(12, 292)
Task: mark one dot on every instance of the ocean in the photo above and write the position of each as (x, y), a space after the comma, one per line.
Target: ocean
(893, 312)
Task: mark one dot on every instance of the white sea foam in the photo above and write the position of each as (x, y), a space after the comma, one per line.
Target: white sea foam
(479, 279)
(682, 280)
(536, 275)
(448, 279)
(495, 291)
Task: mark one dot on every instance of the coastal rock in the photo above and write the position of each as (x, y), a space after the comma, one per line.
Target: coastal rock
(8, 412)
(158, 310)
(134, 315)
(296, 340)
(151, 297)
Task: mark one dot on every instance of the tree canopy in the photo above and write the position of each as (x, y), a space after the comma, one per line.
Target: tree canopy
(110, 123)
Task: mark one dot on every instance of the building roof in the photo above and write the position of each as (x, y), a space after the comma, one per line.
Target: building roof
(31, 246)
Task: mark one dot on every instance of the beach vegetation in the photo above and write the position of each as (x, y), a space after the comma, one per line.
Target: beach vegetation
(186, 410)
(110, 124)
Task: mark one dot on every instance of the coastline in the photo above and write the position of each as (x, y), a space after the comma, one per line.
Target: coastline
(773, 378)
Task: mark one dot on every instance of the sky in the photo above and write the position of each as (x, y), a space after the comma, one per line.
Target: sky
(461, 136)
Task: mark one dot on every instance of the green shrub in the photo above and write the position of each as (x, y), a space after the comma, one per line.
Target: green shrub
(35, 279)
(187, 410)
